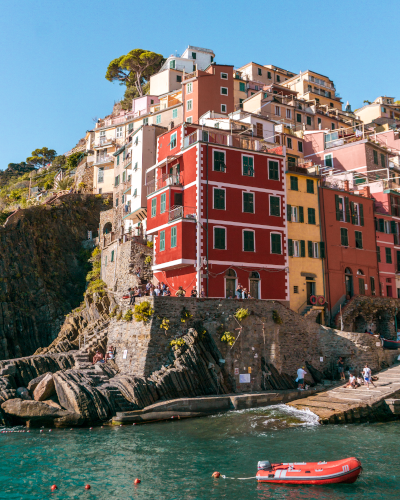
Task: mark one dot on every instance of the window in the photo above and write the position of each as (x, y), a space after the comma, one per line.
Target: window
(344, 237)
(163, 203)
(311, 215)
(224, 91)
(388, 252)
(100, 175)
(294, 183)
(383, 163)
(278, 78)
(224, 76)
(145, 121)
(242, 87)
(112, 255)
(315, 250)
(277, 111)
(193, 55)
(123, 178)
(383, 110)
(247, 166)
(220, 238)
(105, 263)
(248, 203)
(378, 253)
(119, 132)
(173, 237)
(153, 207)
(289, 113)
(298, 117)
(289, 143)
(179, 78)
(135, 166)
(158, 119)
(219, 199)
(296, 249)
(319, 121)
(172, 144)
(375, 157)
(211, 59)
(162, 241)
(248, 241)
(273, 170)
(328, 159)
(172, 64)
(269, 75)
(359, 243)
(295, 289)
(310, 186)
(135, 193)
(219, 161)
(116, 202)
(275, 206)
(116, 183)
(300, 146)
(223, 108)
(372, 281)
(189, 105)
(189, 88)
(130, 127)
(189, 119)
(259, 72)
(175, 113)
(308, 120)
(332, 126)
(276, 243)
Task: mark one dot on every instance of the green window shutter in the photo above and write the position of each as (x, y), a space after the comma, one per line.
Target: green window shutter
(219, 238)
(219, 199)
(163, 203)
(118, 160)
(375, 157)
(301, 214)
(294, 183)
(353, 215)
(275, 206)
(273, 168)
(290, 243)
(310, 251)
(248, 166)
(308, 120)
(347, 206)
(302, 248)
(383, 163)
(344, 237)
(310, 186)
(358, 235)
(248, 237)
(322, 250)
(378, 253)
(242, 87)
(219, 161)
(381, 226)
(361, 214)
(289, 212)
(311, 215)
(398, 262)
(388, 255)
(248, 203)
(162, 241)
(173, 237)
(337, 203)
(153, 207)
(298, 118)
(393, 227)
(276, 243)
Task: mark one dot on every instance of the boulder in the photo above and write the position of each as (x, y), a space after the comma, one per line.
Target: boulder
(31, 410)
(45, 389)
(35, 382)
(72, 419)
(53, 402)
(23, 393)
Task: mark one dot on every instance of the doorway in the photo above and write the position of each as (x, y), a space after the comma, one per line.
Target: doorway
(310, 290)
(389, 291)
(255, 285)
(349, 282)
(230, 284)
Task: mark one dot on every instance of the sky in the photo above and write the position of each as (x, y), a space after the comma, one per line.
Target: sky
(54, 54)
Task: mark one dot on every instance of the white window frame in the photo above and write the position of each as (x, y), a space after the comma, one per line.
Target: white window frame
(189, 88)
(254, 165)
(158, 119)
(102, 134)
(174, 137)
(254, 201)
(315, 247)
(213, 198)
(294, 214)
(270, 242)
(254, 239)
(225, 88)
(357, 214)
(224, 76)
(289, 113)
(218, 151)
(280, 205)
(119, 132)
(175, 113)
(223, 108)
(189, 107)
(331, 157)
(189, 119)
(277, 111)
(296, 248)
(226, 237)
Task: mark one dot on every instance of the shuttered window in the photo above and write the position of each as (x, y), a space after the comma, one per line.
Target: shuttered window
(289, 212)
(361, 208)
(242, 87)
(359, 243)
(219, 199)
(310, 249)
(381, 225)
(162, 241)
(247, 163)
(347, 209)
(153, 207)
(248, 241)
(375, 157)
(290, 244)
(273, 170)
(311, 215)
(301, 214)
(173, 237)
(163, 203)
(294, 183)
(275, 206)
(248, 203)
(302, 248)
(344, 237)
(383, 162)
(310, 186)
(388, 252)
(219, 161)
(398, 261)
(322, 250)
(219, 238)
(276, 243)
(378, 253)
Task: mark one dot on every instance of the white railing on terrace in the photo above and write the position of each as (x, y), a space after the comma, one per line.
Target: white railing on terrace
(104, 159)
(181, 212)
(319, 82)
(241, 142)
(165, 180)
(103, 141)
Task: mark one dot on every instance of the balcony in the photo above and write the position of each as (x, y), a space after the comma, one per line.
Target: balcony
(240, 142)
(127, 161)
(104, 141)
(100, 160)
(164, 181)
(189, 76)
(181, 212)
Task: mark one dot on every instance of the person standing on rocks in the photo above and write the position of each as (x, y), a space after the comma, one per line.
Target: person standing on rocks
(367, 376)
(300, 378)
(340, 367)
(131, 296)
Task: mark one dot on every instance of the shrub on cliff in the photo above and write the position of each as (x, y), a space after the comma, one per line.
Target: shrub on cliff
(128, 315)
(95, 284)
(241, 314)
(143, 311)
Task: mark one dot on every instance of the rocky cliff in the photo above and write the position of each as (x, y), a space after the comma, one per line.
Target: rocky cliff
(42, 270)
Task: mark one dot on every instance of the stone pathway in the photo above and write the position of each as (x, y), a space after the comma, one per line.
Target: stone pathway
(340, 405)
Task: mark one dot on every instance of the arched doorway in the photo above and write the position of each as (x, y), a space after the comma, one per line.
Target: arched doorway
(107, 228)
(361, 282)
(230, 284)
(349, 282)
(255, 284)
(360, 324)
(382, 321)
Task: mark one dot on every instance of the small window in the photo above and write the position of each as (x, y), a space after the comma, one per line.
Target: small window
(315, 248)
(269, 75)
(211, 59)
(311, 215)
(248, 241)
(277, 111)
(300, 146)
(173, 141)
(172, 64)
(248, 203)
(247, 166)
(173, 237)
(275, 206)
(116, 202)
(295, 289)
(344, 237)
(223, 108)
(378, 253)
(119, 132)
(310, 186)
(375, 157)
(388, 252)
(136, 166)
(117, 181)
(153, 207)
(189, 105)
(123, 180)
(162, 241)
(273, 170)
(179, 78)
(289, 143)
(112, 255)
(145, 121)
(189, 119)
(332, 126)
(219, 161)
(175, 113)
(219, 199)
(259, 72)
(383, 162)
(193, 55)
(117, 160)
(294, 183)
(163, 203)
(308, 120)
(278, 78)
(189, 88)
(298, 117)
(242, 87)
(224, 91)
(276, 243)
(224, 76)
(219, 238)
(158, 119)
(319, 121)
(328, 161)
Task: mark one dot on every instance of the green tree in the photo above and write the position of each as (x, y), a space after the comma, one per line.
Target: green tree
(41, 156)
(135, 68)
(74, 159)
(66, 183)
(59, 162)
(367, 102)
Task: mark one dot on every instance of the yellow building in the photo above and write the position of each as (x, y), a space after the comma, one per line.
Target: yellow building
(306, 251)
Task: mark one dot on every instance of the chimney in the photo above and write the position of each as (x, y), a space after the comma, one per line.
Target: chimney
(346, 186)
(366, 192)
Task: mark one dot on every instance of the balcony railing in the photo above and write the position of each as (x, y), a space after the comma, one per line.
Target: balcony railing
(165, 180)
(223, 139)
(127, 161)
(188, 76)
(104, 159)
(181, 212)
(104, 141)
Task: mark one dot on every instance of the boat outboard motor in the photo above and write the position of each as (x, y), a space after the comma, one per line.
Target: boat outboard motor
(265, 465)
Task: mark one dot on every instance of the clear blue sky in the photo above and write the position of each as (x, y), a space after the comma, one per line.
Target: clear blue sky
(54, 54)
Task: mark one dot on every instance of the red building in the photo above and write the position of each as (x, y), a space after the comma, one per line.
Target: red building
(216, 209)
(348, 229)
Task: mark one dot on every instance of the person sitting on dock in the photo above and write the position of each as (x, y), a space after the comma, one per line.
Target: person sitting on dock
(352, 381)
(367, 376)
(300, 378)
(98, 357)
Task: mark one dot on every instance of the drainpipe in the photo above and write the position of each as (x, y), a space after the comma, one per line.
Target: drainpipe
(321, 236)
(208, 265)
(326, 258)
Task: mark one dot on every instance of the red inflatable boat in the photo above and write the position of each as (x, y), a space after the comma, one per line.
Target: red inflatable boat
(341, 471)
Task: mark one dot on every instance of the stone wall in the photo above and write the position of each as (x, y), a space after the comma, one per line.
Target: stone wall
(144, 348)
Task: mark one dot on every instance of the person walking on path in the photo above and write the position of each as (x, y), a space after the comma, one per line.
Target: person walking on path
(300, 378)
(367, 376)
(340, 367)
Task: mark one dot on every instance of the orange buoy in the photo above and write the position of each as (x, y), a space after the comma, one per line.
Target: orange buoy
(136, 481)
(215, 474)
(53, 488)
(87, 487)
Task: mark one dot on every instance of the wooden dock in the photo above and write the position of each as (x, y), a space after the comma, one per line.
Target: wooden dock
(341, 405)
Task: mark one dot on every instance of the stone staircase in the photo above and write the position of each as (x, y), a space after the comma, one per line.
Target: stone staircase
(121, 403)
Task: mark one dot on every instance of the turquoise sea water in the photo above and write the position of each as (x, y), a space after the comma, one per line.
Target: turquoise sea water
(175, 459)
